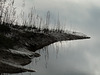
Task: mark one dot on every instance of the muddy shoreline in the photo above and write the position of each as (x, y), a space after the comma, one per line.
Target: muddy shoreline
(18, 45)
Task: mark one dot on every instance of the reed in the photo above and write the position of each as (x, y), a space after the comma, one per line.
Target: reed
(31, 21)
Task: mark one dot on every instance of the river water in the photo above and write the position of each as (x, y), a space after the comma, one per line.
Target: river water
(78, 57)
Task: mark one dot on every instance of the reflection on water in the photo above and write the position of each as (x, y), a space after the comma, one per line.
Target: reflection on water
(63, 58)
(79, 57)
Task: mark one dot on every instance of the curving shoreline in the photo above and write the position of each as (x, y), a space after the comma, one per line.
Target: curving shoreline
(19, 43)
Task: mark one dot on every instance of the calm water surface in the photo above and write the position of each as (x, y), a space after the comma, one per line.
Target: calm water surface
(79, 57)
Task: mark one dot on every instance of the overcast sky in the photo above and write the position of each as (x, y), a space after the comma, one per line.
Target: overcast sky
(83, 57)
(80, 15)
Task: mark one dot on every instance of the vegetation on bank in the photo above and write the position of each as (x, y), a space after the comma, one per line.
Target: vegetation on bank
(28, 35)
(10, 31)
(19, 41)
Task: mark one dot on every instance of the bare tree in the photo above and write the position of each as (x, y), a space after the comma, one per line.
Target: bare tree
(58, 22)
(47, 19)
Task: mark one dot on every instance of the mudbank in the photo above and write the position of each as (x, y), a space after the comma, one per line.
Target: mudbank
(19, 43)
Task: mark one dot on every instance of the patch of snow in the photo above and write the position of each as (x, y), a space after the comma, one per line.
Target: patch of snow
(21, 52)
(79, 34)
